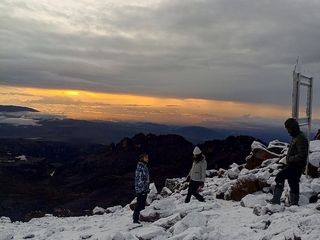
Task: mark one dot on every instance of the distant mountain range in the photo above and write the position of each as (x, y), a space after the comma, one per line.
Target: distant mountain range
(106, 132)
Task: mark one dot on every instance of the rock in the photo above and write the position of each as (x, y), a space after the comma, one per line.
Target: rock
(212, 173)
(312, 171)
(303, 200)
(246, 185)
(29, 236)
(233, 173)
(314, 146)
(221, 172)
(5, 220)
(220, 195)
(313, 199)
(148, 233)
(258, 156)
(165, 192)
(193, 219)
(192, 233)
(168, 221)
(133, 204)
(315, 185)
(152, 195)
(160, 209)
(257, 210)
(252, 200)
(98, 211)
(113, 209)
(85, 236)
(172, 184)
(271, 209)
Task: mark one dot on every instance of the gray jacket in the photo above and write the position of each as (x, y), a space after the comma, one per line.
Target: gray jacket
(198, 170)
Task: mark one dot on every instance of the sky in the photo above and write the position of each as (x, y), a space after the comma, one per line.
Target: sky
(190, 62)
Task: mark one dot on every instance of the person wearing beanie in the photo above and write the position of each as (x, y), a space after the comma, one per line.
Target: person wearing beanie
(296, 161)
(196, 175)
(141, 186)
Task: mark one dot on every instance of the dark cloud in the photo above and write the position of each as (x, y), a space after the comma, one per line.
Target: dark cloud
(240, 50)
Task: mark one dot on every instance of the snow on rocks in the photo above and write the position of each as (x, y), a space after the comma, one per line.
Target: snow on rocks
(233, 173)
(315, 185)
(193, 219)
(168, 221)
(150, 232)
(5, 220)
(314, 146)
(160, 209)
(165, 192)
(252, 200)
(168, 217)
(98, 211)
(314, 158)
(152, 194)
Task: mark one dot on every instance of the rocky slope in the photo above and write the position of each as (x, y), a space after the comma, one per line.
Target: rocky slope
(219, 218)
(65, 179)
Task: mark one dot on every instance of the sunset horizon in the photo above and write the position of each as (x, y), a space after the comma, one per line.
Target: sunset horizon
(89, 105)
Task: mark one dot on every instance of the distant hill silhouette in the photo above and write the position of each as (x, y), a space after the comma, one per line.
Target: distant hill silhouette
(11, 108)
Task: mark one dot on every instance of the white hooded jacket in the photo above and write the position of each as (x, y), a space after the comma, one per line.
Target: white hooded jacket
(198, 170)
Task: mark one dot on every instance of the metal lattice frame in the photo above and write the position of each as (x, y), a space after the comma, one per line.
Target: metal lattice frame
(300, 80)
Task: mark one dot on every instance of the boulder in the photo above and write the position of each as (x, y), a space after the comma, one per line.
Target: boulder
(244, 186)
(98, 211)
(257, 156)
(252, 200)
(160, 209)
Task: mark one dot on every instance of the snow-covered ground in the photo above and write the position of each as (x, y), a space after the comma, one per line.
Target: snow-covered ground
(170, 218)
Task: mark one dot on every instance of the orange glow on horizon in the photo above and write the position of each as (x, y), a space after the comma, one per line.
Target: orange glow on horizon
(89, 105)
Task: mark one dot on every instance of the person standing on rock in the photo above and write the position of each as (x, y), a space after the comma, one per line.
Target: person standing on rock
(296, 161)
(197, 175)
(141, 186)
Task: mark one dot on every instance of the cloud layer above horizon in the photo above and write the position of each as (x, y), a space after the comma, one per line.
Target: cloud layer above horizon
(240, 50)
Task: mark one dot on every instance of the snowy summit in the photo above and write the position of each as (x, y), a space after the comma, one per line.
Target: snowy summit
(235, 208)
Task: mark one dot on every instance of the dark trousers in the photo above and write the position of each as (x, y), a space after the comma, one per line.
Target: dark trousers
(292, 175)
(141, 204)
(193, 190)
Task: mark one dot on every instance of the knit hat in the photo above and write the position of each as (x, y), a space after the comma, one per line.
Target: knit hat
(196, 151)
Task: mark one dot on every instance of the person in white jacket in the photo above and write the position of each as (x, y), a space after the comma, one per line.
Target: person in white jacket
(197, 175)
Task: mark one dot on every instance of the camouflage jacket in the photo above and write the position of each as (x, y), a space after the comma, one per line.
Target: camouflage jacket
(142, 178)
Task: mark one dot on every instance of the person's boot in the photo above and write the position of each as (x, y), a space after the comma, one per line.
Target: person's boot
(294, 199)
(276, 195)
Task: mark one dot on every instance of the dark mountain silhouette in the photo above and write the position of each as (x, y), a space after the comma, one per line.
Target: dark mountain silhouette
(69, 178)
(103, 132)
(11, 108)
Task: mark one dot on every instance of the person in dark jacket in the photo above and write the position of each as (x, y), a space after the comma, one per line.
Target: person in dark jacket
(141, 186)
(197, 175)
(296, 161)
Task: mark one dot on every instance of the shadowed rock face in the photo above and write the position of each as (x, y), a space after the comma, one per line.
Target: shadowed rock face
(71, 179)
